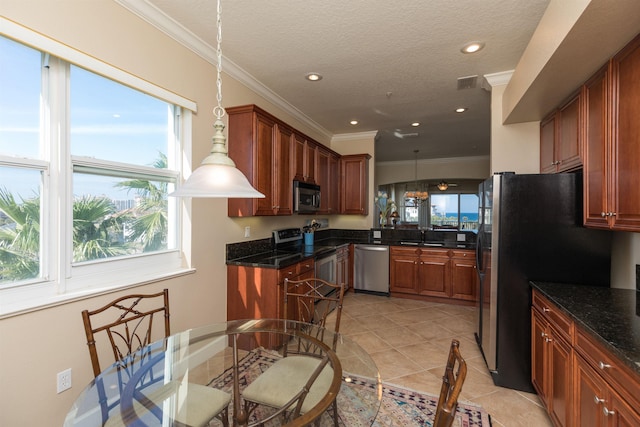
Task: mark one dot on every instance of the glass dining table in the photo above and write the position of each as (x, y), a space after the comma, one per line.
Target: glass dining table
(227, 356)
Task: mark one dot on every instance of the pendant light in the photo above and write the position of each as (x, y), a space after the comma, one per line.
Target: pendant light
(217, 175)
(417, 195)
(442, 186)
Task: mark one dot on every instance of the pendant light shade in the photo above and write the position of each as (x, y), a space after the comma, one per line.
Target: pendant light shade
(217, 175)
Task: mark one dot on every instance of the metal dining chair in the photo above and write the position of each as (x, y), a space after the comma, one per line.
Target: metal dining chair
(452, 380)
(301, 378)
(128, 323)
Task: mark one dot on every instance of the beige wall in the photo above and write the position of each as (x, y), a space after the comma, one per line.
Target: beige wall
(448, 169)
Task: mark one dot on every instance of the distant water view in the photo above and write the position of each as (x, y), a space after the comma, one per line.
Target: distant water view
(470, 216)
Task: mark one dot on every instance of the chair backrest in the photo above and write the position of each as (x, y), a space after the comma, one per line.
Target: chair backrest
(452, 381)
(312, 301)
(128, 324)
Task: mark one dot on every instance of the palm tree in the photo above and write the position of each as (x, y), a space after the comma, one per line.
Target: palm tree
(19, 238)
(96, 227)
(150, 224)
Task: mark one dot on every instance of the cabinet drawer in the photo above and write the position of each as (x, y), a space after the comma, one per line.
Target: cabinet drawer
(610, 368)
(553, 314)
(306, 265)
(463, 254)
(287, 273)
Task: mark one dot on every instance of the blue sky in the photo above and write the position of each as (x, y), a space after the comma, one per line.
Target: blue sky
(108, 121)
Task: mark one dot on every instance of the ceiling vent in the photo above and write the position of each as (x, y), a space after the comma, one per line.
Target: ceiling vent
(468, 82)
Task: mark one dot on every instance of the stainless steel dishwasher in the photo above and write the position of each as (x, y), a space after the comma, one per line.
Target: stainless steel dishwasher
(371, 269)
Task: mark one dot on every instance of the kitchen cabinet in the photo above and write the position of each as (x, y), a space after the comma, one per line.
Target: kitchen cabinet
(261, 148)
(354, 184)
(334, 184)
(612, 143)
(304, 159)
(342, 266)
(560, 139)
(433, 273)
(551, 361)
(464, 276)
(257, 293)
(605, 389)
(579, 382)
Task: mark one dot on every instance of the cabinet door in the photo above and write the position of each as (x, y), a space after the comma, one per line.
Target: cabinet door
(559, 380)
(334, 184)
(464, 278)
(538, 355)
(596, 155)
(298, 165)
(323, 180)
(626, 138)
(568, 142)
(310, 158)
(548, 144)
(433, 276)
(403, 273)
(619, 414)
(282, 172)
(264, 165)
(589, 395)
(354, 182)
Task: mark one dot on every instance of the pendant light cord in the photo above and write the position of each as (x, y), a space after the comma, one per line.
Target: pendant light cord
(218, 110)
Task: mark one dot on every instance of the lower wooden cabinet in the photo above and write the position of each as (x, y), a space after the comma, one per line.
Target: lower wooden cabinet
(551, 369)
(342, 270)
(579, 382)
(433, 273)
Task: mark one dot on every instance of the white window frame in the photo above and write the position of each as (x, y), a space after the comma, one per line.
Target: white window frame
(62, 280)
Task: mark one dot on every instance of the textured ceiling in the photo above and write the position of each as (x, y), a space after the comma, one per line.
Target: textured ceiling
(385, 63)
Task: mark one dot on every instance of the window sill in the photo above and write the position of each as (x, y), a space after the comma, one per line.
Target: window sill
(10, 310)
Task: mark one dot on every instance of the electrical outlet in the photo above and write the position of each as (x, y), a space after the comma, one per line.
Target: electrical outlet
(64, 380)
(247, 231)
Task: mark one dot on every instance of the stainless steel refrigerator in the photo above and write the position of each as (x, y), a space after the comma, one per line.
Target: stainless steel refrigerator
(530, 229)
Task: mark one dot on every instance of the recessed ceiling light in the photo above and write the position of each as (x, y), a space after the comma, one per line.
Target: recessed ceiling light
(461, 110)
(415, 124)
(314, 77)
(354, 122)
(472, 47)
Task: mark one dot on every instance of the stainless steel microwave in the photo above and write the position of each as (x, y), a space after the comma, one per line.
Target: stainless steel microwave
(306, 197)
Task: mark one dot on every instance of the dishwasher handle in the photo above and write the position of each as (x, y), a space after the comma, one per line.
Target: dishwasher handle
(373, 248)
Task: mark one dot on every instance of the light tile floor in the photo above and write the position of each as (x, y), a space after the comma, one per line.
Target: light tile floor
(409, 341)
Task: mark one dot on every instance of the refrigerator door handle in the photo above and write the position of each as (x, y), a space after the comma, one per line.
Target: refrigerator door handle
(479, 265)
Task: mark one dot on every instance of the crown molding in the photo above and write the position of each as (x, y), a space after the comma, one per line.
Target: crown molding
(355, 136)
(499, 79)
(157, 18)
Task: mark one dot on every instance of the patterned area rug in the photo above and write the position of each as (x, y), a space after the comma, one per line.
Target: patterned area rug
(399, 407)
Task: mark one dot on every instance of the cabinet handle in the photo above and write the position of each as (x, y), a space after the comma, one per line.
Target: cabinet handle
(542, 334)
(546, 309)
(612, 214)
(603, 214)
(548, 340)
(604, 365)
(607, 412)
(290, 273)
(597, 400)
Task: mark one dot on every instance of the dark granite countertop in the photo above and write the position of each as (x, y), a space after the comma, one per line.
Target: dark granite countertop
(611, 316)
(264, 253)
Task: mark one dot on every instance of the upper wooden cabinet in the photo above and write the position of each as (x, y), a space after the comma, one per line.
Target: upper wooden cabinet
(328, 177)
(304, 159)
(354, 184)
(560, 142)
(612, 143)
(261, 148)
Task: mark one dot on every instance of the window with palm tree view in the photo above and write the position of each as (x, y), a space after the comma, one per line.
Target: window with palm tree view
(86, 164)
